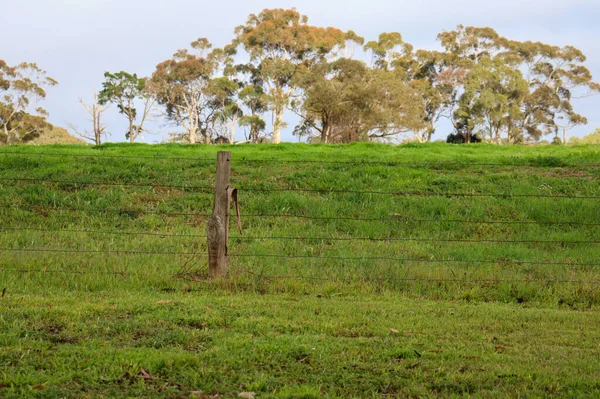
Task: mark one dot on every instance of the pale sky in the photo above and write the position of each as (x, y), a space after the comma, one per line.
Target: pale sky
(76, 41)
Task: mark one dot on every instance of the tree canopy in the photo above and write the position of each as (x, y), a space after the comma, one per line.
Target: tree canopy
(341, 87)
(22, 87)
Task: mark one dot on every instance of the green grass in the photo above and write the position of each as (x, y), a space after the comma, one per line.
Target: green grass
(486, 319)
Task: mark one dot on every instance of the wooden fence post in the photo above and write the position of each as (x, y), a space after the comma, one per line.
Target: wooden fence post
(218, 225)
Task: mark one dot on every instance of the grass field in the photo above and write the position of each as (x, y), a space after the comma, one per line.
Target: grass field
(471, 271)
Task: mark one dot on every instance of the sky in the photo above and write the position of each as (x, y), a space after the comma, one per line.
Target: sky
(76, 41)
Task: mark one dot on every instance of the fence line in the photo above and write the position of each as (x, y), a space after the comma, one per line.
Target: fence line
(225, 194)
(432, 280)
(414, 260)
(105, 210)
(406, 219)
(61, 154)
(86, 183)
(311, 161)
(304, 190)
(415, 193)
(83, 231)
(289, 238)
(417, 239)
(101, 251)
(338, 280)
(275, 256)
(266, 215)
(56, 271)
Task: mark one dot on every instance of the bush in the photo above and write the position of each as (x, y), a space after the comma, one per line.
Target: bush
(455, 138)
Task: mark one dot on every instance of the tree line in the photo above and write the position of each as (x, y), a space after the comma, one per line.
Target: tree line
(341, 87)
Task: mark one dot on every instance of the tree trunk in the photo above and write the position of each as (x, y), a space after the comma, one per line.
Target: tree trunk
(97, 125)
(192, 134)
(131, 135)
(325, 132)
(277, 125)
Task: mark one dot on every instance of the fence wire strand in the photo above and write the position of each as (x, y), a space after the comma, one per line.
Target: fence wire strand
(243, 160)
(124, 184)
(394, 218)
(289, 238)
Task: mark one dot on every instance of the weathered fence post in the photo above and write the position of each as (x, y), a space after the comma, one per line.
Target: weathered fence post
(218, 225)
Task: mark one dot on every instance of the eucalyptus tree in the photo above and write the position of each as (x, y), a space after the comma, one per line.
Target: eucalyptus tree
(347, 101)
(281, 44)
(182, 85)
(521, 90)
(124, 90)
(22, 87)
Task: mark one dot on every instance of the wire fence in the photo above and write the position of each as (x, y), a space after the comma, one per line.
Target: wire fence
(11, 227)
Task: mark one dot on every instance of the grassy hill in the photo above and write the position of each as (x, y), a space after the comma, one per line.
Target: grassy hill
(362, 270)
(56, 135)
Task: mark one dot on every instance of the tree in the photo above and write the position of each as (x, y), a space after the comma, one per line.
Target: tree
(95, 111)
(124, 89)
(592, 138)
(554, 75)
(281, 45)
(224, 91)
(21, 88)
(183, 86)
(254, 98)
(516, 88)
(493, 98)
(346, 101)
(424, 71)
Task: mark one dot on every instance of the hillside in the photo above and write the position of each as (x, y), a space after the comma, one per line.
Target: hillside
(56, 135)
(407, 271)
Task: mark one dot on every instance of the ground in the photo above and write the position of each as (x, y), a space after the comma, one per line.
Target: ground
(125, 308)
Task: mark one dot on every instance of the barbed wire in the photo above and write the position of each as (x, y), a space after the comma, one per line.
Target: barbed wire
(321, 257)
(104, 210)
(329, 279)
(420, 279)
(407, 219)
(392, 218)
(413, 260)
(304, 190)
(67, 154)
(417, 239)
(290, 238)
(415, 193)
(84, 231)
(123, 274)
(102, 251)
(465, 163)
(85, 183)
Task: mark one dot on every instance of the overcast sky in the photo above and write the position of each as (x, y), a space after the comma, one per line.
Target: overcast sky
(76, 41)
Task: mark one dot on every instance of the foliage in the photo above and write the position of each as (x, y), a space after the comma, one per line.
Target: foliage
(184, 86)
(455, 138)
(123, 89)
(21, 88)
(501, 90)
(282, 45)
(592, 138)
(510, 87)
